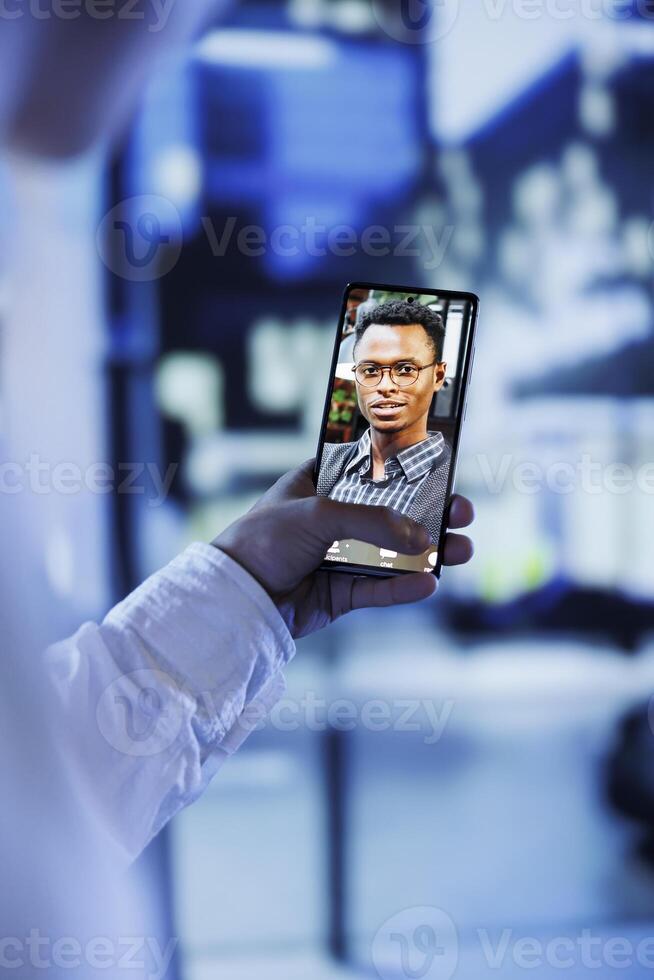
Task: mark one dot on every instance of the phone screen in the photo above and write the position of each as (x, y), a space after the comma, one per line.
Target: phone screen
(393, 413)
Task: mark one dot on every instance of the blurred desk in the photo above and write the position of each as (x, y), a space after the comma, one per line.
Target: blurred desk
(499, 817)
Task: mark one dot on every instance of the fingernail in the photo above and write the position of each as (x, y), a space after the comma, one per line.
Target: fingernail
(420, 537)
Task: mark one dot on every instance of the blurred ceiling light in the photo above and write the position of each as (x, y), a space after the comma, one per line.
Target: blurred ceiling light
(348, 16)
(594, 212)
(596, 110)
(274, 384)
(307, 13)
(579, 166)
(208, 466)
(177, 174)
(282, 361)
(537, 195)
(189, 388)
(352, 16)
(265, 49)
(602, 52)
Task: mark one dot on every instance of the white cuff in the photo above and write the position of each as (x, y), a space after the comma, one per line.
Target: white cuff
(214, 630)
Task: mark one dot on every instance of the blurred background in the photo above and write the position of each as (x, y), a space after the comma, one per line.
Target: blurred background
(179, 298)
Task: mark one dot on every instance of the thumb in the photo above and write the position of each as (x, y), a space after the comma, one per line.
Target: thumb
(332, 520)
(295, 484)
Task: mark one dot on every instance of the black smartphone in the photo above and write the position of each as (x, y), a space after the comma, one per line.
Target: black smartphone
(393, 413)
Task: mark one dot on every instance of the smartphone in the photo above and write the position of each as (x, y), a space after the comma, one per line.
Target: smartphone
(395, 405)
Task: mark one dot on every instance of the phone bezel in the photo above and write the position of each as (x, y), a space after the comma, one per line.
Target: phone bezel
(460, 416)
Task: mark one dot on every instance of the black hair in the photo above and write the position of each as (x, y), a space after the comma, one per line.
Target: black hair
(400, 313)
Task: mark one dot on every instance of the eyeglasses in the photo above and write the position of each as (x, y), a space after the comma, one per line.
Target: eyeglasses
(402, 373)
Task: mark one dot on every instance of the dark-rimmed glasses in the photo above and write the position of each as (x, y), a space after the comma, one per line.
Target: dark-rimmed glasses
(402, 373)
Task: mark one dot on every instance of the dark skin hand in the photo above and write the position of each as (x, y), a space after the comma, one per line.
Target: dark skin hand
(283, 539)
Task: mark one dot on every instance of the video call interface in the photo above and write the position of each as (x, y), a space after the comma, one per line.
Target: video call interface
(391, 421)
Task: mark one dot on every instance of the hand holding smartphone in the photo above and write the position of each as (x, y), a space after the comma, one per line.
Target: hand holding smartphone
(393, 413)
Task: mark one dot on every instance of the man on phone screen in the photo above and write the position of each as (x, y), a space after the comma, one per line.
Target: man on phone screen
(397, 462)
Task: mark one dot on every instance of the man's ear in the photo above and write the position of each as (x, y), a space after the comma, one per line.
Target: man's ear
(440, 367)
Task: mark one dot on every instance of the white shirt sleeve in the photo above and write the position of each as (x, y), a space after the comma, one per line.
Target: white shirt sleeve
(155, 698)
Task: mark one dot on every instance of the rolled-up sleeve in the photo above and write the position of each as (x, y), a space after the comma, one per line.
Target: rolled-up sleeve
(156, 697)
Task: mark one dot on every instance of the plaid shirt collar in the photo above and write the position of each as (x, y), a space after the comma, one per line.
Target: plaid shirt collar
(415, 461)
